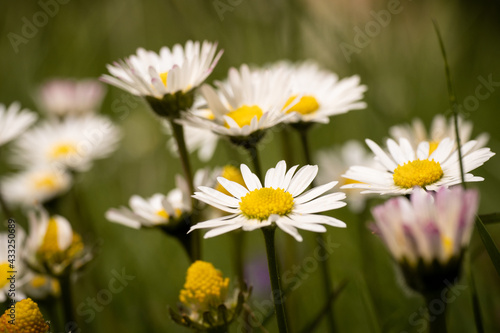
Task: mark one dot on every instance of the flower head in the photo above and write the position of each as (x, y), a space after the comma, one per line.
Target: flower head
(70, 97)
(279, 202)
(205, 299)
(9, 264)
(248, 102)
(28, 319)
(428, 230)
(179, 69)
(406, 168)
(14, 121)
(322, 94)
(74, 143)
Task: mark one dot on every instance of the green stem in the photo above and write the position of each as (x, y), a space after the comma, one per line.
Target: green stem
(453, 101)
(279, 305)
(325, 272)
(254, 155)
(437, 322)
(286, 146)
(178, 131)
(239, 244)
(67, 300)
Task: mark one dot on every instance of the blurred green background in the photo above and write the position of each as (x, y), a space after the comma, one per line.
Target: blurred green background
(403, 69)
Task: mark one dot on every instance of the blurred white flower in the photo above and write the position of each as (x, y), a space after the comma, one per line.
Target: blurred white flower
(14, 121)
(12, 261)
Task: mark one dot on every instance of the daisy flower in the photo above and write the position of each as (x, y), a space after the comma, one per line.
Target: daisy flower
(440, 128)
(248, 102)
(428, 233)
(159, 209)
(406, 168)
(334, 162)
(281, 202)
(52, 244)
(66, 97)
(35, 185)
(14, 121)
(179, 69)
(73, 142)
(41, 286)
(322, 94)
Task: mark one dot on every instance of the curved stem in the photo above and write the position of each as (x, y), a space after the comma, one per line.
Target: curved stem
(277, 292)
(67, 301)
(437, 321)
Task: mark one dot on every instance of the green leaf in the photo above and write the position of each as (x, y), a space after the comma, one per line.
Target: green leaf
(489, 244)
(490, 218)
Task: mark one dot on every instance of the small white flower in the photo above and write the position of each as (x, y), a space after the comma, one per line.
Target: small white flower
(157, 210)
(406, 168)
(66, 97)
(334, 162)
(14, 121)
(428, 226)
(35, 186)
(321, 93)
(440, 128)
(249, 101)
(41, 286)
(280, 201)
(148, 73)
(12, 261)
(73, 142)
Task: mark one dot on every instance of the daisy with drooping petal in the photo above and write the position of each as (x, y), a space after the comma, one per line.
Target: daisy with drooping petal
(35, 186)
(334, 162)
(74, 142)
(280, 202)
(440, 128)
(428, 233)
(52, 244)
(67, 97)
(248, 102)
(14, 121)
(322, 94)
(148, 73)
(406, 168)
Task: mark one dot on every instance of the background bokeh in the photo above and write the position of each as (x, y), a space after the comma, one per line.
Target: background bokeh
(401, 64)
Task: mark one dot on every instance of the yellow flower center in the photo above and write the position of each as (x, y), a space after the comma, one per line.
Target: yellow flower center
(162, 213)
(28, 319)
(163, 77)
(244, 115)
(38, 281)
(4, 268)
(306, 105)
(62, 150)
(46, 181)
(49, 252)
(433, 146)
(233, 174)
(417, 173)
(205, 286)
(447, 244)
(261, 203)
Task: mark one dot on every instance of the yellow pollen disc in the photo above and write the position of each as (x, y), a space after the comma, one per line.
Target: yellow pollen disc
(38, 281)
(47, 181)
(50, 243)
(28, 319)
(261, 203)
(62, 150)
(447, 243)
(233, 174)
(205, 286)
(433, 146)
(162, 213)
(244, 115)
(4, 268)
(163, 77)
(417, 173)
(306, 105)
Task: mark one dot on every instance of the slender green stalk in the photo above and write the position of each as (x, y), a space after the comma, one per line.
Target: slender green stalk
(325, 272)
(437, 322)
(178, 131)
(67, 300)
(274, 275)
(254, 155)
(286, 146)
(453, 101)
(476, 307)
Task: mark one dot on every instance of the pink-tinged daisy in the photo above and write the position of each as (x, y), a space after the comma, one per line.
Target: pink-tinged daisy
(281, 202)
(248, 102)
(406, 168)
(322, 94)
(14, 121)
(66, 97)
(179, 69)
